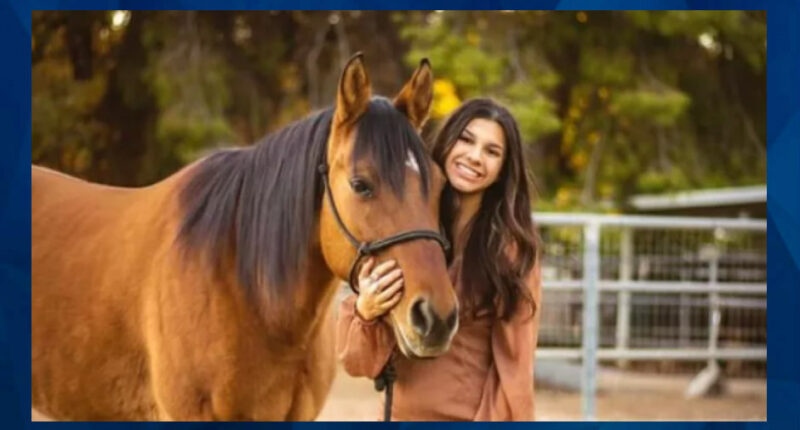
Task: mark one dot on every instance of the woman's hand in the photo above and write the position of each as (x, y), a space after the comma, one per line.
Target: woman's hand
(379, 290)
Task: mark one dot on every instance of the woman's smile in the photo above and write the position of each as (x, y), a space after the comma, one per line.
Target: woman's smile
(476, 158)
(467, 172)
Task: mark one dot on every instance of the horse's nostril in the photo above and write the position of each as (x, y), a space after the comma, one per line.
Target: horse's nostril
(420, 317)
(452, 320)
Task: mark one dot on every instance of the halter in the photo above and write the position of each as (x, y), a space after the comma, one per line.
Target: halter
(364, 248)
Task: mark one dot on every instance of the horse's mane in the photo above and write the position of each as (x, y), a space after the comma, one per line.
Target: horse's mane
(261, 203)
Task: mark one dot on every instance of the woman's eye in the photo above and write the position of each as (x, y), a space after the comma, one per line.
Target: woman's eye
(361, 187)
(465, 139)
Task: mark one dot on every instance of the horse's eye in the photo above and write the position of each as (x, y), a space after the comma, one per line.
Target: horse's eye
(361, 187)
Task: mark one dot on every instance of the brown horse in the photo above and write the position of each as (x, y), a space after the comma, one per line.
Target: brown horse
(208, 295)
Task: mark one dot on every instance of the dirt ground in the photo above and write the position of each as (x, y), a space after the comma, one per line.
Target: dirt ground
(623, 396)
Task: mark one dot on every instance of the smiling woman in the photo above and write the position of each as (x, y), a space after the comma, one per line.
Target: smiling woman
(487, 373)
(477, 156)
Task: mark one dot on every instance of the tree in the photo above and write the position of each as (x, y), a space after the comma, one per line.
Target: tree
(608, 103)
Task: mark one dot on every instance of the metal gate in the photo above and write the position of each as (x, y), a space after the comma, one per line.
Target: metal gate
(626, 288)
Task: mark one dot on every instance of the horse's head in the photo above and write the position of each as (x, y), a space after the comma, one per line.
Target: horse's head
(383, 183)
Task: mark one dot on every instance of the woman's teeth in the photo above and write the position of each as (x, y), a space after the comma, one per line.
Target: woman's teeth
(467, 171)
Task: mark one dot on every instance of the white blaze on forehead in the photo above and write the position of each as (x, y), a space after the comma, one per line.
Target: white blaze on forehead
(411, 162)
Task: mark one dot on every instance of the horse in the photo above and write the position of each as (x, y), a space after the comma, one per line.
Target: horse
(208, 295)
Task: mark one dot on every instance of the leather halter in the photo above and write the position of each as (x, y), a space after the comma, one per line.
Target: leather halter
(365, 248)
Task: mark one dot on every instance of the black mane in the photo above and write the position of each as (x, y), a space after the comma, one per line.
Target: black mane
(261, 203)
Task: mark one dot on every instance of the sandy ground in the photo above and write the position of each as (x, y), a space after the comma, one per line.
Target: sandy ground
(623, 396)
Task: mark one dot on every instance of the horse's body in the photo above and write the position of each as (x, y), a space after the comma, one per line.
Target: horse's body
(106, 340)
(208, 295)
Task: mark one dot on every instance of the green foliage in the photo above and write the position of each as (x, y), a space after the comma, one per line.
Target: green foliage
(192, 96)
(189, 82)
(655, 107)
(457, 56)
(745, 31)
(64, 132)
(533, 111)
(473, 60)
(606, 68)
(609, 104)
(653, 181)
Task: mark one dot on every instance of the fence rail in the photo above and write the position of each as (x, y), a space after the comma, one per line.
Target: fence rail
(659, 287)
(648, 221)
(695, 354)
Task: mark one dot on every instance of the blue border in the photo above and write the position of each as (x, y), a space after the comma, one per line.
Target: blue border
(783, 205)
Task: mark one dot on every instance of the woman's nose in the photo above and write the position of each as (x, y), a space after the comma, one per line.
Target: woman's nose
(474, 155)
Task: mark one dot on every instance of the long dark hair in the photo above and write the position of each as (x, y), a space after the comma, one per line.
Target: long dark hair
(260, 204)
(502, 245)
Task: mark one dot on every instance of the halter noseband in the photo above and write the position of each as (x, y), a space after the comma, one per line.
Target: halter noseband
(364, 248)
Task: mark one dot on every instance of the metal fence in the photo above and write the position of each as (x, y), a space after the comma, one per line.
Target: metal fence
(629, 289)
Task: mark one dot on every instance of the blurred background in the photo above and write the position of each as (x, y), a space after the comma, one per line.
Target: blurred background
(636, 119)
(610, 103)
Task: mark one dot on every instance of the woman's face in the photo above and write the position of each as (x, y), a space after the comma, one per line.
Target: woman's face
(475, 160)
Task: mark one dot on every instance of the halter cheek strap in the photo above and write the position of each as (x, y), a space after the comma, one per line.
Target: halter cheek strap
(365, 248)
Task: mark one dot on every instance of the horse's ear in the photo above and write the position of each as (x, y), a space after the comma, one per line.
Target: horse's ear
(354, 91)
(414, 100)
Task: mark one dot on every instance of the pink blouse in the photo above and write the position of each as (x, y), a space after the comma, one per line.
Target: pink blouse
(486, 375)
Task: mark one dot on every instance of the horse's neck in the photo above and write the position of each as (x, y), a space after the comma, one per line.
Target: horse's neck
(297, 318)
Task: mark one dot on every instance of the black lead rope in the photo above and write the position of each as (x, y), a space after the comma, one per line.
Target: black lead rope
(385, 381)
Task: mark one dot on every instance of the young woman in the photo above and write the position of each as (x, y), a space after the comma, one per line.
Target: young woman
(487, 374)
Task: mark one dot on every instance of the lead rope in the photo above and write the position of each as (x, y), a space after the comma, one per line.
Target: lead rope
(385, 381)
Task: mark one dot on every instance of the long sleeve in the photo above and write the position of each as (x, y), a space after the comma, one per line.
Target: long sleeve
(508, 391)
(363, 347)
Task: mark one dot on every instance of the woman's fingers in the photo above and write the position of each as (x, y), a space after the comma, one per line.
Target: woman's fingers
(372, 280)
(379, 297)
(366, 268)
(383, 268)
(392, 302)
(389, 291)
(388, 279)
